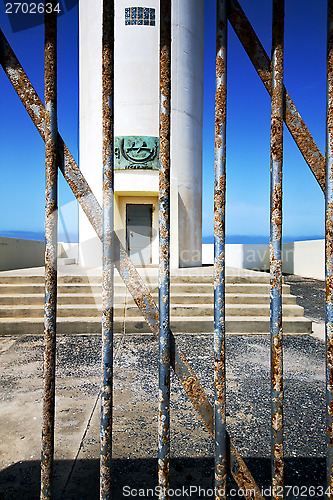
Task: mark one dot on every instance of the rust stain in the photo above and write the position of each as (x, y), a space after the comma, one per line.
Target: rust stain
(220, 379)
(220, 113)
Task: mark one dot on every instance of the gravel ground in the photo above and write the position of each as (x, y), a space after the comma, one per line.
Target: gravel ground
(135, 412)
(310, 294)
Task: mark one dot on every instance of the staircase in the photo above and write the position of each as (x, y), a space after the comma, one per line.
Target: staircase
(79, 305)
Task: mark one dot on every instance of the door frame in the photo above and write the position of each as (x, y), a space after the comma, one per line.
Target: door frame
(151, 227)
(121, 199)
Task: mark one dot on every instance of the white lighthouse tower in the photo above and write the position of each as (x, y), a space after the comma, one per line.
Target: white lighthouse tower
(137, 127)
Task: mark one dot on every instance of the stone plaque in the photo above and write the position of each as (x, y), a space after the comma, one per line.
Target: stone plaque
(136, 153)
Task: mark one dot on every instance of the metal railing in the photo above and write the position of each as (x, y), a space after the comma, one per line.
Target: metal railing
(227, 459)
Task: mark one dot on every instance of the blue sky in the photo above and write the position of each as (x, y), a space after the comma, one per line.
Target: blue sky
(248, 122)
(22, 149)
(248, 125)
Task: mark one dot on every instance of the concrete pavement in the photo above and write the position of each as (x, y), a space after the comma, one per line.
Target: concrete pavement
(135, 412)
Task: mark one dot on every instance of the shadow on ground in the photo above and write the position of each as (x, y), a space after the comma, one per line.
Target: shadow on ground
(137, 478)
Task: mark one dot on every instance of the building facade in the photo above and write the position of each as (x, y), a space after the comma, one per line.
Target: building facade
(136, 128)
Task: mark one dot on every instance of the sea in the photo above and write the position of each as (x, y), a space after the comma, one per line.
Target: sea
(37, 236)
(232, 238)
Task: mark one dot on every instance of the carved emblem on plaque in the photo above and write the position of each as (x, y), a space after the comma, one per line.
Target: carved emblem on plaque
(136, 152)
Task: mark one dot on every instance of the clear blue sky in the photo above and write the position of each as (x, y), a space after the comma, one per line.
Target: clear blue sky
(248, 124)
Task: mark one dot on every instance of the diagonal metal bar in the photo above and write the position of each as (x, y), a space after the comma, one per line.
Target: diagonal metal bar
(126, 269)
(262, 65)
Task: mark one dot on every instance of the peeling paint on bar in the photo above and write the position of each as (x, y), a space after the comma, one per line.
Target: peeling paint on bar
(219, 252)
(262, 65)
(164, 253)
(128, 272)
(108, 243)
(51, 214)
(329, 251)
(276, 160)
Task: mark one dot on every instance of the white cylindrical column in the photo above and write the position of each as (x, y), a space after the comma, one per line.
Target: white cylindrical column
(137, 115)
(136, 71)
(90, 115)
(186, 126)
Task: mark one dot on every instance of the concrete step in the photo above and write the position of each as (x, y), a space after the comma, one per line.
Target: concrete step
(79, 305)
(234, 325)
(65, 261)
(66, 298)
(230, 310)
(176, 310)
(176, 288)
(208, 298)
(190, 298)
(97, 280)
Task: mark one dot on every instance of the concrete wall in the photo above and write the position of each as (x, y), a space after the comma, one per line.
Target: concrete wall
(136, 73)
(304, 258)
(242, 256)
(68, 250)
(19, 254)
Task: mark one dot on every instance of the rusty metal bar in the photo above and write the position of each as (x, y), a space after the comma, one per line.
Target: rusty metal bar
(219, 251)
(262, 65)
(329, 251)
(51, 227)
(164, 253)
(108, 243)
(127, 270)
(276, 161)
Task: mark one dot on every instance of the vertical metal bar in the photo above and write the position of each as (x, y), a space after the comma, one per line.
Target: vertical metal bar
(108, 246)
(51, 214)
(219, 251)
(275, 248)
(164, 252)
(329, 251)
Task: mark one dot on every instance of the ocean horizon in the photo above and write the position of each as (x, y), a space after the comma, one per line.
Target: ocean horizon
(230, 239)
(37, 236)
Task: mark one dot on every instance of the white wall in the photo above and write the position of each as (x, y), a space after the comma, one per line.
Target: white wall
(136, 73)
(19, 254)
(303, 258)
(68, 250)
(242, 256)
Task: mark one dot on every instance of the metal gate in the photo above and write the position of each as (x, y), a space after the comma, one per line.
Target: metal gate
(227, 459)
